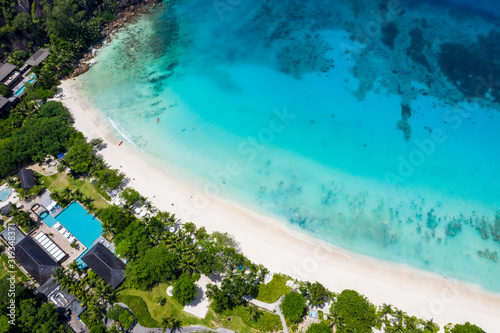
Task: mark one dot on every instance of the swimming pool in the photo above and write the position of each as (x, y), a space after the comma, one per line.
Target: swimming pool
(48, 219)
(79, 223)
(20, 91)
(4, 194)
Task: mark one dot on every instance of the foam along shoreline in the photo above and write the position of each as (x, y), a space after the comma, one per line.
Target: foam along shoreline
(263, 240)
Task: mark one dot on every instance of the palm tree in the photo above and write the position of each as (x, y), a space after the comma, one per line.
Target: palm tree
(67, 194)
(66, 282)
(430, 326)
(78, 195)
(170, 322)
(63, 165)
(87, 200)
(400, 319)
(95, 313)
(385, 310)
(59, 274)
(187, 264)
(253, 312)
(74, 267)
(91, 208)
(333, 318)
(190, 227)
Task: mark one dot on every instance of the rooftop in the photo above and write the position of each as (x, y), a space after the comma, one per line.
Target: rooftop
(11, 231)
(5, 70)
(3, 102)
(5, 210)
(38, 57)
(27, 179)
(59, 297)
(35, 260)
(105, 264)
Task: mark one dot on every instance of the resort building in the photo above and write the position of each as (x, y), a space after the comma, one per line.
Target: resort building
(51, 247)
(37, 58)
(33, 258)
(5, 72)
(4, 104)
(6, 210)
(105, 264)
(52, 292)
(12, 235)
(16, 80)
(27, 179)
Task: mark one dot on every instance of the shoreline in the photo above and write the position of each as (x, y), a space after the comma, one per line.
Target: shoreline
(417, 292)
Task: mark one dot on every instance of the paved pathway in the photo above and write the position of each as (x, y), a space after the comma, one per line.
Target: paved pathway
(270, 307)
(278, 311)
(260, 304)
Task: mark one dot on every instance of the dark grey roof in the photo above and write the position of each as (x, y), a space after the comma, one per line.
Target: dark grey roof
(12, 235)
(105, 264)
(35, 260)
(38, 57)
(5, 70)
(61, 298)
(27, 179)
(3, 102)
(5, 210)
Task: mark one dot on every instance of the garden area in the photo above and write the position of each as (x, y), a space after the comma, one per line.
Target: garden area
(271, 292)
(59, 182)
(147, 308)
(4, 271)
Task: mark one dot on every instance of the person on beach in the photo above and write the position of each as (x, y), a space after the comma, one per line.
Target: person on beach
(120, 143)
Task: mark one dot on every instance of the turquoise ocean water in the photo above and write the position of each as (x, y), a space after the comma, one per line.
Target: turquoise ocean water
(355, 122)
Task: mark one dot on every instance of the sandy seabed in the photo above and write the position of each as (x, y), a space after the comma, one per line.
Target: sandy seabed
(268, 242)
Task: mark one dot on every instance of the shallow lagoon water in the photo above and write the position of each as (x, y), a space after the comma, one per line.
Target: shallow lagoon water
(265, 104)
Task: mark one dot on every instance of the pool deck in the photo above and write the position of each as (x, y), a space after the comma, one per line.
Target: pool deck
(63, 243)
(13, 198)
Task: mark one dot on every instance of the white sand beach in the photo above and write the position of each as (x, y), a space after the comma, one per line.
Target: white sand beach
(265, 241)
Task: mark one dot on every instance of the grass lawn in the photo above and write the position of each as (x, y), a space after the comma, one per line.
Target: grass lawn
(265, 321)
(171, 307)
(59, 181)
(271, 292)
(139, 309)
(20, 276)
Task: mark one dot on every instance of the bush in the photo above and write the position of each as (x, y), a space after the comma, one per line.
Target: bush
(4, 90)
(121, 315)
(354, 312)
(185, 290)
(293, 306)
(319, 328)
(466, 328)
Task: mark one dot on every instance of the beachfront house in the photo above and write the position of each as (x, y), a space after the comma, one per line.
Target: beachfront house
(6, 71)
(27, 179)
(37, 58)
(15, 80)
(33, 258)
(105, 264)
